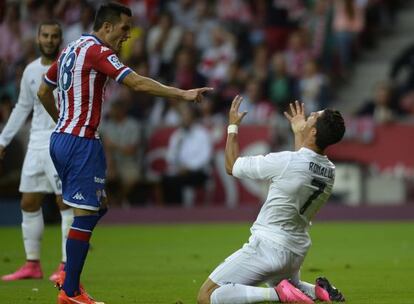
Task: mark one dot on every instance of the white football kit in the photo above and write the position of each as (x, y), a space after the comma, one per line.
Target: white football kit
(38, 172)
(300, 184)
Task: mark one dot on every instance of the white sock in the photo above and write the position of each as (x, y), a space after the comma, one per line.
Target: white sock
(32, 229)
(307, 288)
(67, 220)
(242, 294)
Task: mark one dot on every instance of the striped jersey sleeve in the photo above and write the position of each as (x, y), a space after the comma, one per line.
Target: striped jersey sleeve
(51, 75)
(104, 60)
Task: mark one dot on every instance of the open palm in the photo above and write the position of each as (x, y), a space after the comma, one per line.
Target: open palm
(296, 117)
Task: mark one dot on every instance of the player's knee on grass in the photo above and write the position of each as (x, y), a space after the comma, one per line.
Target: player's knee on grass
(31, 202)
(203, 297)
(205, 292)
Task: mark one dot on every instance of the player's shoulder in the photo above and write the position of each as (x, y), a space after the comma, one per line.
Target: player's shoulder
(34, 65)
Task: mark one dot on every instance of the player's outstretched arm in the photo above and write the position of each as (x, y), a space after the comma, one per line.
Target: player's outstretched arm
(232, 145)
(150, 86)
(45, 94)
(297, 121)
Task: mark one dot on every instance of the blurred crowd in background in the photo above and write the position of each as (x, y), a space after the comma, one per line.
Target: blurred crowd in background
(270, 51)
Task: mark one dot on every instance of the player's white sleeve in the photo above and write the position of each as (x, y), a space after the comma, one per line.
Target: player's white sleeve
(20, 112)
(261, 167)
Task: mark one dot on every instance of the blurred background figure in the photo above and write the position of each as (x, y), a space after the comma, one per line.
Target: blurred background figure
(188, 159)
(121, 137)
(381, 108)
(348, 22)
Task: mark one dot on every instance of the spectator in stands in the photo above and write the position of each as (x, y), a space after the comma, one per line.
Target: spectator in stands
(185, 71)
(282, 87)
(162, 42)
(313, 87)
(121, 137)
(12, 31)
(74, 31)
(204, 23)
(348, 22)
(259, 109)
(184, 12)
(381, 108)
(231, 85)
(164, 113)
(188, 157)
(217, 59)
(404, 63)
(319, 26)
(259, 67)
(297, 53)
(68, 11)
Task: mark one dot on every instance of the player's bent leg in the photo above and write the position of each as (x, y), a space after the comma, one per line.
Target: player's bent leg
(233, 293)
(205, 291)
(32, 230)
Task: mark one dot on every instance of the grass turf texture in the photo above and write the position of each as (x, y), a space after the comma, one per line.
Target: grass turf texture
(369, 262)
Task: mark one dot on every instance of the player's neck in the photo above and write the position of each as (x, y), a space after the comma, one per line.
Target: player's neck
(46, 60)
(100, 36)
(314, 148)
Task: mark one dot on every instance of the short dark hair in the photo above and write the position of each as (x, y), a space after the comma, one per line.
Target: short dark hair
(110, 12)
(50, 22)
(330, 128)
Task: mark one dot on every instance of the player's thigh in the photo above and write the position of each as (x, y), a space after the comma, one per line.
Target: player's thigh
(33, 178)
(81, 165)
(250, 265)
(290, 264)
(31, 201)
(51, 173)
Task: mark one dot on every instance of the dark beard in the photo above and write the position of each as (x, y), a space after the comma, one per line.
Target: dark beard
(51, 56)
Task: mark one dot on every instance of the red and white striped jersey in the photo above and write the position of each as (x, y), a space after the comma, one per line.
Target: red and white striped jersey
(80, 74)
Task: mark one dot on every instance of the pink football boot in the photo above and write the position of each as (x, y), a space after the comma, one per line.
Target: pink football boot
(30, 270)
(55, 276)
(290, 294)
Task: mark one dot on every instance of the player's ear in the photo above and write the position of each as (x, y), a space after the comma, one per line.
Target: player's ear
(107, 26)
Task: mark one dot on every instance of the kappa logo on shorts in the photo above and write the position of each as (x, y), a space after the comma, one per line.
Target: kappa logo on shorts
(113, 59)
(78, 196)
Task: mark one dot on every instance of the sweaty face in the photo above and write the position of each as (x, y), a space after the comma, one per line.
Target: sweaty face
(49, 40)
(119, 32)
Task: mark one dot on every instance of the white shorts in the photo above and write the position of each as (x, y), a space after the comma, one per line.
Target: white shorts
(258, 261)
(39, 173)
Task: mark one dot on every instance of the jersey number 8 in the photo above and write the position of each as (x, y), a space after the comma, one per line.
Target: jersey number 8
(66, 70)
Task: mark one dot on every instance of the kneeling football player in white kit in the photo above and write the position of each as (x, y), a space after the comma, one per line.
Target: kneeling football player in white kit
(300, 184)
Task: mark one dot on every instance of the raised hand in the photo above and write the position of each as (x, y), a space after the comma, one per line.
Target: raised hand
(296, 117)
(196, 94)
(235, 117)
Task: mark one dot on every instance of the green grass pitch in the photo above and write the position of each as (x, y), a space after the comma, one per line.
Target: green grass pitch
(369, 262)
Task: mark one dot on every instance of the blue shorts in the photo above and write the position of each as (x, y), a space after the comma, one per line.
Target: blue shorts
(80, 163)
